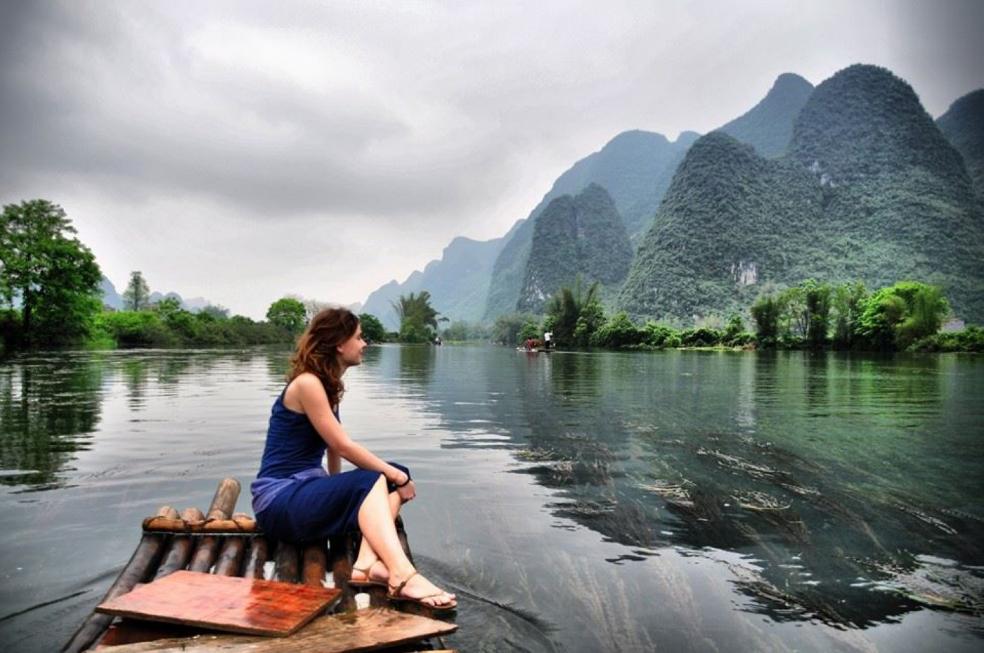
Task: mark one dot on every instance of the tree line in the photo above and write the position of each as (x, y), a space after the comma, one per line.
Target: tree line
(906, 316)
(50, 297)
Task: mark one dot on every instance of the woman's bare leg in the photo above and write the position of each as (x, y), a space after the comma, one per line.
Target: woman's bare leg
(367, 556)
(376, 523)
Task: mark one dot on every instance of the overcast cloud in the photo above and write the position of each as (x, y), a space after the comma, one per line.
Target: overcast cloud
(244, 151)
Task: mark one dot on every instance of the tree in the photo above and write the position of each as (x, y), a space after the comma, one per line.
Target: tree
(51, 272)
(927, 308)
(288, 314)
(766, 312)
(372, 328)
(816, 297)
(136, 297)
(848, 301)
(418, 319)
(897, 316)
(619, 331)
(567, 307)
(215, 312)
(507, 328)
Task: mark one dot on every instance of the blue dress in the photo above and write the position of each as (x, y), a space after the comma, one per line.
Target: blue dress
(294, 498)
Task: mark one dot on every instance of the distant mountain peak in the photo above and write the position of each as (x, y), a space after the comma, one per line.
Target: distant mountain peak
(768, 126)
(788, 82)
(866, 108)
(963, 126)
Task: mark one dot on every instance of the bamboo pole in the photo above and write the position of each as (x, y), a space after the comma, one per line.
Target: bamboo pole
(232, 553)
(181, 547)
(241, 524)
(145, 558)
(224, 501)
(315, 564)
(222, 506)
(259, 553)
(340, 556)
(286, 563)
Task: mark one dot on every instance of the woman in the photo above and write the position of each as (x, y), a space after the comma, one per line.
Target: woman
(296, 499)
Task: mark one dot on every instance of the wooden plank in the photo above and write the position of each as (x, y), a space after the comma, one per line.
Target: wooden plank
(238, 605)
(365, 630)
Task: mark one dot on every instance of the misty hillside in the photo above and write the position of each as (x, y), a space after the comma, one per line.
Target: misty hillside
(768, 126)
(870, 189)
(963, 126)
(581, 235)
(458, 283)
(635, 168)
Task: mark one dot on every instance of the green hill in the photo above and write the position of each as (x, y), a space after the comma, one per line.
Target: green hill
(963, 126)
(768, 126)
(575, 235)
(635, 167)
(730, 220)
(870, 189)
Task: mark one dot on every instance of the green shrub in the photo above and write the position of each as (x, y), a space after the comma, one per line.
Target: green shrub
(619, 332)
(660, 335)
(701, 337)
(135, 329)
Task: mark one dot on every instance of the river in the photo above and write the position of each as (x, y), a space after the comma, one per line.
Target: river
(575, 501)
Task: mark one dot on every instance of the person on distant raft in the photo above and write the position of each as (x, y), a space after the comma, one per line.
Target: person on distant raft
(297, 500)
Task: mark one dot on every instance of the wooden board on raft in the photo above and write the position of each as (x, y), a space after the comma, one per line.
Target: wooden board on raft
(238, 605)
(364, 630)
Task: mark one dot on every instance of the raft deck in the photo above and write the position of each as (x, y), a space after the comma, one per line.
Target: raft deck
(226, 543)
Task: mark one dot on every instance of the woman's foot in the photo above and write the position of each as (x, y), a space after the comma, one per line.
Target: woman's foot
(414, 588)
(373, 574)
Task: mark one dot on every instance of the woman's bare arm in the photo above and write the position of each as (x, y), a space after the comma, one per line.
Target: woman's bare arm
(334, 462)
(310, 394)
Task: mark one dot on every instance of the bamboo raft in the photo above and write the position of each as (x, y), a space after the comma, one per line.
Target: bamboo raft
(226, 543)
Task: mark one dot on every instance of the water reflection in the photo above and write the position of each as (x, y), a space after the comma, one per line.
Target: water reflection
(417, 364)
(823, 471)
(834, 488)
(48, 406)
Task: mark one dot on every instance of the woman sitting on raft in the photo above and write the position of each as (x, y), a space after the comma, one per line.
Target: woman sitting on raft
(295, 499)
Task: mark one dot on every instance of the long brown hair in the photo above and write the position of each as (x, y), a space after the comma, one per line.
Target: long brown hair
(317, 351)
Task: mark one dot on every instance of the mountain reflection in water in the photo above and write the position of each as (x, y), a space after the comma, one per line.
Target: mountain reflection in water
(828, 478)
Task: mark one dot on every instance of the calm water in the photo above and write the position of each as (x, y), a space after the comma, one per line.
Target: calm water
(576, 501)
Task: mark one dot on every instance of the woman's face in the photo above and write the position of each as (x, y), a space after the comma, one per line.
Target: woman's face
(350, 351)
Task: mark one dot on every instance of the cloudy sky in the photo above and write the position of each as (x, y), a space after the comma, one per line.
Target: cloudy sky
(244, 151)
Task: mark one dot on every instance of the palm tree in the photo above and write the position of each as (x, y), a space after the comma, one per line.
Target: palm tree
(418, 319)
(566, 306)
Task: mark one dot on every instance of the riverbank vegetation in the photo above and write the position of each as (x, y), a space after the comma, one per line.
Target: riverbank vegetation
(906, 316)
(50, 297)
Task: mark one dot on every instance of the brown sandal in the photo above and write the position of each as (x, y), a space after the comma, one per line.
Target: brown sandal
(394, 593)
(368, 582)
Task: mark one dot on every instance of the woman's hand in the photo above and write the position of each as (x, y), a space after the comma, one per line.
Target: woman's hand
(407, 492)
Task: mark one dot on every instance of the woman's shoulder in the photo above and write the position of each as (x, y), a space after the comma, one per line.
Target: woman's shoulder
(305, 380)
(304, 385)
